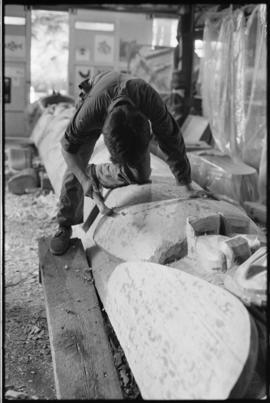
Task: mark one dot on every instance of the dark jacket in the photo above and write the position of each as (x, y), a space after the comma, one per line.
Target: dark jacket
(87, 122)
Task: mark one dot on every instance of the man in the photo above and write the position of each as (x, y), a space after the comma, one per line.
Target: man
(120, 107)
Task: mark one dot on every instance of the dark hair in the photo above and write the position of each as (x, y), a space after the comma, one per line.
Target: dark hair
(126, 134)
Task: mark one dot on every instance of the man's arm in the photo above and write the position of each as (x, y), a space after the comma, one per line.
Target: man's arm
(89, 185)
(167, 133)
(82, 131)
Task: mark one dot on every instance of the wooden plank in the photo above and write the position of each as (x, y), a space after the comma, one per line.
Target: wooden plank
(82, 359)
(256, 211)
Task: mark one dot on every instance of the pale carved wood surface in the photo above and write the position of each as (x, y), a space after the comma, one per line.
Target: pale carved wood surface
(156, 231)
(183, 337)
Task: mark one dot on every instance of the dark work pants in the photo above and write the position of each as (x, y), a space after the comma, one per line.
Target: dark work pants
(70, 211)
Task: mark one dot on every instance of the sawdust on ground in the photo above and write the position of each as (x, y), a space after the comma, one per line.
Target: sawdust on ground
(27, 355)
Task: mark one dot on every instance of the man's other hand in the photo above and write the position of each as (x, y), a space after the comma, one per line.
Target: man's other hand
(197, 193)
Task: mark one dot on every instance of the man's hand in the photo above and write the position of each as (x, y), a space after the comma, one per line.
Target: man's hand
(194, 194)
(90, 187)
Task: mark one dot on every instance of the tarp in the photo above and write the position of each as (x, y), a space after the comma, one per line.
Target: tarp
(233, 77)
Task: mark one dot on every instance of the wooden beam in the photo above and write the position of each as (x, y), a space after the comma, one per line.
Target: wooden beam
(82, 359)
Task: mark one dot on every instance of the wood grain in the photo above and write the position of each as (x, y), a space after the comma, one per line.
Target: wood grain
(82, 359)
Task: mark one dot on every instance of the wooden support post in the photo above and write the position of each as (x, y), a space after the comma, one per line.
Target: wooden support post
(188, 50)
(82, 359)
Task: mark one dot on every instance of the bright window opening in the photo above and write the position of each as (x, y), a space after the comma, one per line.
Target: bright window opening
(198, 48)
(164, 32)
(49, 53)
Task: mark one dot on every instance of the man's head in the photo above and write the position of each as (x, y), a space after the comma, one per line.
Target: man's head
(126, 134)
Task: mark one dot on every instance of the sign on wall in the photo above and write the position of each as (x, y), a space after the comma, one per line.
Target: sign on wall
(104, 49)
(15, 46)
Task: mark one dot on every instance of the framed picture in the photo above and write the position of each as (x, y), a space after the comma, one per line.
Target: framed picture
(82, 54)
(104, 49)
(15, 46)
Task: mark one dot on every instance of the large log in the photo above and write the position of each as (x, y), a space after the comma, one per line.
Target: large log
(135, 232)
(150, 224)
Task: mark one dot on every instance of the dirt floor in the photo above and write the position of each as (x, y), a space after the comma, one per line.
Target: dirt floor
(28, 366)
(27, 360)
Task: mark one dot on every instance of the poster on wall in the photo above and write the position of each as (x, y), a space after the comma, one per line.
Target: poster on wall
(82, 54)
(15, 46)
(104, 49)
(82, 72)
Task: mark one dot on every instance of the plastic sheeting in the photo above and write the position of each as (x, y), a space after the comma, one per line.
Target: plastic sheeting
(233, 77)
(255, 87)
(262, 186)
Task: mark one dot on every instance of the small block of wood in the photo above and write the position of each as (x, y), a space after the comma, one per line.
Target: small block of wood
(25, 179)
(256, 211)
(234, 224)
(82, 358)
(240, 248)
(200, 226)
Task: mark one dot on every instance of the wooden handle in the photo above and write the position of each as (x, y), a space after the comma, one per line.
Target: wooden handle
(103, 209)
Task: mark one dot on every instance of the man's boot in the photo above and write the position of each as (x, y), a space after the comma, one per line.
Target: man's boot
(61, 240)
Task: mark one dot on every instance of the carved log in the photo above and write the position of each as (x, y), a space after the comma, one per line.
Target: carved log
(135, 232)
(183, 337)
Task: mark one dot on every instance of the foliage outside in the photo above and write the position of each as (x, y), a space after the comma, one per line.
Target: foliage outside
(49, 51)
